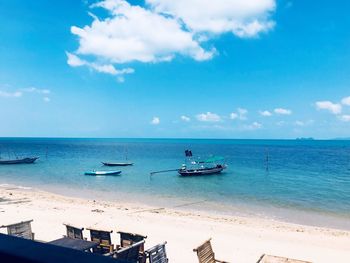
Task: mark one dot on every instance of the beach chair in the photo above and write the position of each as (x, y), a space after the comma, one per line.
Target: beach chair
(206, 254)
(74, 232)
(130, 254)
(128, 239)
(21, 229)
(104, 239)
(157, 254)
(275, 259)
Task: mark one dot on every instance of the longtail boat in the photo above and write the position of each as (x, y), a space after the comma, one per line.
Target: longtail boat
(202, 171)
(26, 160)
(195, 167)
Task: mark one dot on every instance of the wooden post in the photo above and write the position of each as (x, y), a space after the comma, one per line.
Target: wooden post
(267, 160)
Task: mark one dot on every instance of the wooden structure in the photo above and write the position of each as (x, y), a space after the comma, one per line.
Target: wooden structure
(14, 249)
(21, 229)
(74, 243)
(128, 239)
(206, 254)
(103, 238)
(275, 259)
(157, 254)
(130, 254)
(74, 232)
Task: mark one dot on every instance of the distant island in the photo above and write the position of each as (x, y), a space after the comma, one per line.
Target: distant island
(305, 139)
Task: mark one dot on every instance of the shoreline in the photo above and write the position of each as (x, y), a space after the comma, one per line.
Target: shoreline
(235, 238)
(292, 215)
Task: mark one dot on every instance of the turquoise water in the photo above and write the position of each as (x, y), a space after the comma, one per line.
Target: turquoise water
(307, 180)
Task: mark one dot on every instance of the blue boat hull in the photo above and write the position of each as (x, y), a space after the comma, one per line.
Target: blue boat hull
(103, 173)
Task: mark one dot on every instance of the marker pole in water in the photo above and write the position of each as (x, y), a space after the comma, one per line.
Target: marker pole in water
(267, 160)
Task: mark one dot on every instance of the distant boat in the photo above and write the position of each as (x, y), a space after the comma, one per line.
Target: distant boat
(26, 160)
(103, 173)
(117, 163)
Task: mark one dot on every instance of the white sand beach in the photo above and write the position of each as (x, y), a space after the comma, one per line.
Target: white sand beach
(234, 239)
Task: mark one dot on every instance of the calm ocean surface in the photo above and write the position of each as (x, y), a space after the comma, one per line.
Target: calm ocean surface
(308, 181)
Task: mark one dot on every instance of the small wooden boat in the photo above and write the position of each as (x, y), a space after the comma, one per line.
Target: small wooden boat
(201, 171)
(26, 160)
(117, 164)
(103, 173)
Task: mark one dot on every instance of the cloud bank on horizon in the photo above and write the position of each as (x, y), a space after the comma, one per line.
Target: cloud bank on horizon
(163, 29)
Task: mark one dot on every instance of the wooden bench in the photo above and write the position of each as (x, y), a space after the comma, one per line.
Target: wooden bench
(127, 239)
(21, 229)
(130, 254)
(74, 232)
(103, 238)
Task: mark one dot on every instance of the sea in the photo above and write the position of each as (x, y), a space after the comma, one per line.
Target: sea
(298, 181)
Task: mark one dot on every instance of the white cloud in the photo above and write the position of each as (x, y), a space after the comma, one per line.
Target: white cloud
(36, 90)
(282, 111)
(46, 99)
(346, 101)
(155, 121)
(132, 33)
(281, 123)
(185, 118)
(21, 92)
(241, 114)
(75, 61)
(334, 108)
(233, 116)
(344, 117)
(299, 123)
(303, 123)
(163, 29)
(265, 113)
(253, 126)
(15, 94)
(208, 117)
(245, 18)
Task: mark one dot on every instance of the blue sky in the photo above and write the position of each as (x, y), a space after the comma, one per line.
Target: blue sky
(161, 68)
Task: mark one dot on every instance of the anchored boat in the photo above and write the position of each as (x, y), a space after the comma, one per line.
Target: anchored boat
(25, 160)
(103, 173)
(212, 165)
(195, 167)
(202, 171)
(118, 163)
